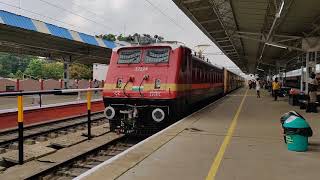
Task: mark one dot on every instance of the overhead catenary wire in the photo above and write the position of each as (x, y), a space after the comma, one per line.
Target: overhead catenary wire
(173, 21)
(71, 12)
(163, 13)
(102, 18)
(90, 11)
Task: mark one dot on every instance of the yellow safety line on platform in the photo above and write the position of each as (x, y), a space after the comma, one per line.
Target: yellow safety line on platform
(216, 163)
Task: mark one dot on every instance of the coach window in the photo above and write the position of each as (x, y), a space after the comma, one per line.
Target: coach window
(193, 74)
(212, 77)
(185, 60)
(198, 74)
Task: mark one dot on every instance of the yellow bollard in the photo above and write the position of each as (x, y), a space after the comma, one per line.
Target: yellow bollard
(20, 128)
(89, 113)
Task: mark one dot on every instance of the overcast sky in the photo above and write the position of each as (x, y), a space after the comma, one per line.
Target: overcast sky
(93, 17)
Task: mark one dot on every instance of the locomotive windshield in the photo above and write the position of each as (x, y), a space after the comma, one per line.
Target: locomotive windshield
(129, 56)
(156, 55)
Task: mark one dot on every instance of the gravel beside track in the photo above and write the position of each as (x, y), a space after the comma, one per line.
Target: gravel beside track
(9, 136)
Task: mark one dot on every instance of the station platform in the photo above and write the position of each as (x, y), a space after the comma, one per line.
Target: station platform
(238, 137)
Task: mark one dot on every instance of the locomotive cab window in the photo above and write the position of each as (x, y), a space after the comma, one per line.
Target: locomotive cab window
(129, 56)
(158, 55)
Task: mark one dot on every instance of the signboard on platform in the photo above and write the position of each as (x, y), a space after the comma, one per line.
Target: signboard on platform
(100, 71)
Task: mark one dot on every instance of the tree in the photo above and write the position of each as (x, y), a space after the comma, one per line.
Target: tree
(10, 63)
(128, 38)
(53, 70)
(19, 74)
(109, 37)
(35, 68)
(80, 71)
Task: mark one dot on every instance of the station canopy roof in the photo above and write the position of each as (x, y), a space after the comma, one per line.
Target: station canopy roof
(257, 34)
(23, 35)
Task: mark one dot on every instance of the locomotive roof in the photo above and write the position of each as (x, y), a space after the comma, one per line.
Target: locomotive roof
(172, 45)
(207, 63)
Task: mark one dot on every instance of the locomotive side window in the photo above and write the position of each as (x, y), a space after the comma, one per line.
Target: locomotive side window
(129, 56)
(157, 55)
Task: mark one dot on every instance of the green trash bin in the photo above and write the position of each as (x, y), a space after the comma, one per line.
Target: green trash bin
(297, 130)
(284, 117)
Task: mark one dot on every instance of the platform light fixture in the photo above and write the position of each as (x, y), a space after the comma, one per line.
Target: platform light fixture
(276, 45)
(280, 10)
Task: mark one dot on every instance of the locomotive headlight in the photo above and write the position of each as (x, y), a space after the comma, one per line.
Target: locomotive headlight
(158, 115)
(119, 83)
(109, 112)
(157, 84)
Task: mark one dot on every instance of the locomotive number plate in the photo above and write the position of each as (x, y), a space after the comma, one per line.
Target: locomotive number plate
(155, 94)
(141, 69)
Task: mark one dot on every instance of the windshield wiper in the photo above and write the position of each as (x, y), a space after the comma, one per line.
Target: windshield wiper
(163, 60)
(131, 61)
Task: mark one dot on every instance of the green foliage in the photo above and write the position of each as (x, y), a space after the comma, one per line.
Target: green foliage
(35, 69)
(9, 63)
(109, 37)
(19, 74)
(80, 71)
(53, 70)
(30, 66)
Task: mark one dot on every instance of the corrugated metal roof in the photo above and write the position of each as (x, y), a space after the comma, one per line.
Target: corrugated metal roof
(109, 44)
(17, 21)
(250, 33)
(28, 24)
(88, 39)
(58, 31)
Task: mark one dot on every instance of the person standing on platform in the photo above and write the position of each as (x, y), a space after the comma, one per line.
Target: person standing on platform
(313, 87)
(275, 88)
(258, 86)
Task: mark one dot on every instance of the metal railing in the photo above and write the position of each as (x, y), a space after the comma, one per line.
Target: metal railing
(20, 117)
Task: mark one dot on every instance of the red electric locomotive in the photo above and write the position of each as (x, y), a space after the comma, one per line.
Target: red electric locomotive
(149, 86)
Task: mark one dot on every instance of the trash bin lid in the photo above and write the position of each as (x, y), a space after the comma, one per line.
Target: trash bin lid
(285, 116)
(295, 122)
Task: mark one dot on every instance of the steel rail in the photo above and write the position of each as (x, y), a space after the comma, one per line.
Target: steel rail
(7, 140)
(62, 91)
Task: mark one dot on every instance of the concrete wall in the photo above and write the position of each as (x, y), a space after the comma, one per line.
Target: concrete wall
(51, 84)
(83, 84)
(29, 85)
(7, 82)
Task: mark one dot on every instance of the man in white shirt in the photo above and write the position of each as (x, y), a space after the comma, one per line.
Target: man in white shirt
(258, 86)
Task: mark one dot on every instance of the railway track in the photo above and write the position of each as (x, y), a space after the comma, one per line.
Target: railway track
(82, 161)
(80, 164)
(44, 129)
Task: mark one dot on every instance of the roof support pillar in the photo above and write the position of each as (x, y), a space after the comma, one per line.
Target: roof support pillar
(307, 73)
(301, 79)
(66, 73)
